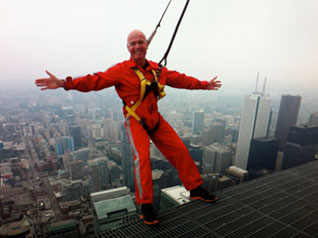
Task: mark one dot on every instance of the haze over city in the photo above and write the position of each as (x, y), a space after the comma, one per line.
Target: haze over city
(234, 40)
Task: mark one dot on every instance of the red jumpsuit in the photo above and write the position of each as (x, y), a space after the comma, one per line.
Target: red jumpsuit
(127, 85)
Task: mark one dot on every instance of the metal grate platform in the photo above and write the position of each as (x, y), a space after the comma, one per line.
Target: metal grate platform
(283, 204)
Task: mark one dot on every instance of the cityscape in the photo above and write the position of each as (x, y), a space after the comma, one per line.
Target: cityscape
(66, 166)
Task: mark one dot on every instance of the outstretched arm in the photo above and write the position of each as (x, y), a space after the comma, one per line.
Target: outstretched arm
(214, 84)
(49, 83)
(179, 80)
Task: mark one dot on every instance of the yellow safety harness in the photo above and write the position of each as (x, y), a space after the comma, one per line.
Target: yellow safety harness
(143, 83)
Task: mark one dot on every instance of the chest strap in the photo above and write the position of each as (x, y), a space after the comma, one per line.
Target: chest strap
(143, 83)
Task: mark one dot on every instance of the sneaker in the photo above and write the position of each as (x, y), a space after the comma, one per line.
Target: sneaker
(148, 214)
(200, 193)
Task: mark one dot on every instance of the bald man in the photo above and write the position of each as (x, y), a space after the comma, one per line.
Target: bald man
(136, 84)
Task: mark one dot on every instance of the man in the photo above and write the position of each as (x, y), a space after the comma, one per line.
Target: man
(143, 121)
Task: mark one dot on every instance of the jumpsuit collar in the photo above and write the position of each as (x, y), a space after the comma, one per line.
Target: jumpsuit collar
(151, 65)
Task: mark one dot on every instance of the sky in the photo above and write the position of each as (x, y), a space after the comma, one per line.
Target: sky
(232, 39)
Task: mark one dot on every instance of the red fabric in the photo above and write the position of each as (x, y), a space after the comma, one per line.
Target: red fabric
(127, 85)
(171, 146)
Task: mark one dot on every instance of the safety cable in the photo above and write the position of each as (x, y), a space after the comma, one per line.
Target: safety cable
(164, 58)
(158, 25)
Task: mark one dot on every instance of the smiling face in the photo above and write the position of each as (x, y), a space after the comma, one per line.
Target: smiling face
(137, 47)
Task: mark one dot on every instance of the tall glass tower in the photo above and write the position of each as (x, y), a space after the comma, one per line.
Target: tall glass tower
(255, 121)
(198, 122)
(287, 116)
(64, 144)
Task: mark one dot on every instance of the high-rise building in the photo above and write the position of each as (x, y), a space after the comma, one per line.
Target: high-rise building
(76, 170)
(127, 161)
(64, 144)
(198, 122)
(196, 153)
(263, 153)
(287, 116)
(99, 174)
(301, 146)
(215, 133)
(216, 159)
(313, 120)
(255, 121)
(82, 155)
(75, 132)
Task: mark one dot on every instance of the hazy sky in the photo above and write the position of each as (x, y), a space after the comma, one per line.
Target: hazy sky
(229, 38)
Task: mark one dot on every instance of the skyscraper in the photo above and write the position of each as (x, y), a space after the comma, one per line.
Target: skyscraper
(287, 116)
(255, 121)
(75, 132)
(198, 122)
(76, 170)
(301, 146)
(216, 159)
(263, 153)
(127, 161)
(99, 174)
(64, 144)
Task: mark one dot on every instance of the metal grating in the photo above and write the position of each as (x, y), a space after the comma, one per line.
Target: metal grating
(282, 204)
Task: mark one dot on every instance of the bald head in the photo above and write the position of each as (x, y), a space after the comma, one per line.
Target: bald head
(134, 34)
(137, 46)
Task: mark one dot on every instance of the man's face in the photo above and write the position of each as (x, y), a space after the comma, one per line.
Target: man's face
(137, 46)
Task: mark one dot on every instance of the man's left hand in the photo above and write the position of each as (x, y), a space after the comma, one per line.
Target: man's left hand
(214, 84)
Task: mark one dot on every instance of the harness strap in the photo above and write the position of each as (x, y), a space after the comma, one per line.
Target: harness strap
(143, 83)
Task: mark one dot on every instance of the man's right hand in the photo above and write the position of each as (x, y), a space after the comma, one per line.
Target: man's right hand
(49, 83)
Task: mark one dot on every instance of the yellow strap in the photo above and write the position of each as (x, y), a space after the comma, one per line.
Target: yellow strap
(143, 83)
(131, 112)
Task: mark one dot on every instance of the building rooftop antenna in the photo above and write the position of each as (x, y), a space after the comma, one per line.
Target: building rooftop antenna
(256, 85)
(264, 86)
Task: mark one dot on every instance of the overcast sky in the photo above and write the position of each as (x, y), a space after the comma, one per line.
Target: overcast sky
(229, 38)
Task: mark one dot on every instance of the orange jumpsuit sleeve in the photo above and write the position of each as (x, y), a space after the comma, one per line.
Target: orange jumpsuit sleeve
(94, 82)
(177, 80)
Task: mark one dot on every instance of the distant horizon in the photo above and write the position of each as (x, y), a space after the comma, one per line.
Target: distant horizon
(233, 40)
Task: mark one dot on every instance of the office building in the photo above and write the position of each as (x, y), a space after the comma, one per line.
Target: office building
(198, 122)
(127, 161)
(64, 144)
(65, 228)
(76, 170)
(287, 116)
(99, 174)
(255, 122)
(75, 132)
(215, 133)
(301, 146)
(237, 175)
(173, 196)
(263, 153)
(216, 159)
(111, 207)
(313, 120)
(196, 153)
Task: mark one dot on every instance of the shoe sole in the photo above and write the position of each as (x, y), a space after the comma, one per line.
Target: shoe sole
(204, 200)
(147, 222)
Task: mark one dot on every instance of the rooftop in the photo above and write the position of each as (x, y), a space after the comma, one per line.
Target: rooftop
(282, 204)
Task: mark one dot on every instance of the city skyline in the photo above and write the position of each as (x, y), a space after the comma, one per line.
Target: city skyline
(61, 183)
